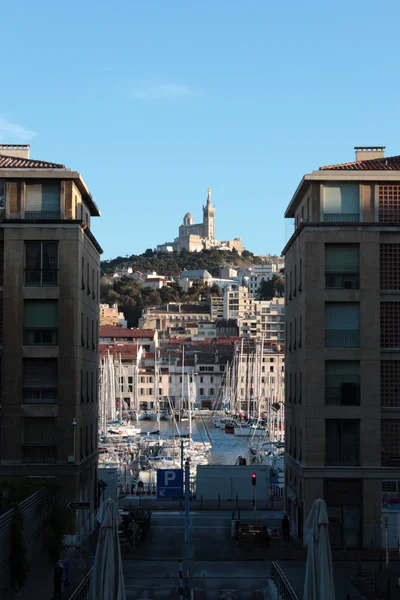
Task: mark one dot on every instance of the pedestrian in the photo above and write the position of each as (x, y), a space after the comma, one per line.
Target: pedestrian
(285, 525)
(58, 579)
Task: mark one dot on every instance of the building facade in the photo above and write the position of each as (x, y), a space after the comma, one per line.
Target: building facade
(343, 348)
(49, 262)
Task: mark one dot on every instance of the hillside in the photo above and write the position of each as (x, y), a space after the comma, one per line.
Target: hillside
(175, 262)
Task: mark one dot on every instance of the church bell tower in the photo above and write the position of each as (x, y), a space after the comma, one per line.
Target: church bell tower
(208, 218)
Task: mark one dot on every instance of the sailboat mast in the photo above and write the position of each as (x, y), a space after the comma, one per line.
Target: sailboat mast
(190, 410)
(183, 379)
(137, 381)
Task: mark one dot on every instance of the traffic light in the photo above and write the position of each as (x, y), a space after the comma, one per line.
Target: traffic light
(253, 479)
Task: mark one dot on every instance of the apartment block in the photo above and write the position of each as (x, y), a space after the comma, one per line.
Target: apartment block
(265, 321)
(343, 348)
(49, 278)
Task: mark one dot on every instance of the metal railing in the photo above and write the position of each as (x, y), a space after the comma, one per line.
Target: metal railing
(40, 396)
(283, 587)
(82, 591)
(42, 215)
(41, 277)
(345, 455)
(44, 455)
(342, 281)
(342, 338)
(342, 390)
(40, 336)
(342, 217)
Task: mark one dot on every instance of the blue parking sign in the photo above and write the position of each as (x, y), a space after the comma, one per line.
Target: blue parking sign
(169, 484)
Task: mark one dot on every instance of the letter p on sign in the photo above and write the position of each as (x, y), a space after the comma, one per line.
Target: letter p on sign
(170, 476)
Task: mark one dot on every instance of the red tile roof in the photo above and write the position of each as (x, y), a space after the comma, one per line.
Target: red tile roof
(113, 331)
(391, 163)
(14, 162)
(126, 350)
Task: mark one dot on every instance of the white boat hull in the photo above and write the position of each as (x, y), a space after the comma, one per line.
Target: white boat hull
(249, 432)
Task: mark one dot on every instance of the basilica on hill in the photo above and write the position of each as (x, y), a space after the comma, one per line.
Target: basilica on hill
(195, 237)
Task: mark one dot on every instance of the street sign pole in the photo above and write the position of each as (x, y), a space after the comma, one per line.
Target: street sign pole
(187, 495)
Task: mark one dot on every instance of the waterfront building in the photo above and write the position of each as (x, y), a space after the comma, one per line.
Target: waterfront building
(265, 320)
(49, 278)
(342, 348)
(172, 315)
(196, 237)
(148, 338)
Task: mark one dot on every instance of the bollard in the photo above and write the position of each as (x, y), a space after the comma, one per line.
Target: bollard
(219, 501)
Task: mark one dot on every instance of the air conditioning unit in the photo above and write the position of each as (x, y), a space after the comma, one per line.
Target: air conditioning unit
(349, 394)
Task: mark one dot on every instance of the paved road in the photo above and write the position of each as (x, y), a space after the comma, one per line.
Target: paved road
(151, 572)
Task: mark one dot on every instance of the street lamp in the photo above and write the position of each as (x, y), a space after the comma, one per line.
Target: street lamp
(277, 405)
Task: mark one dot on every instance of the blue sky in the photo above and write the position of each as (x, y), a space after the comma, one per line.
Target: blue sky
(155, 100)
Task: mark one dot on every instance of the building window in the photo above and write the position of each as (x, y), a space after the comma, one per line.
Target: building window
(88, 279)
(40, 322)
(342, 383)
(301, 275)
(389, 203)
(300, 330)
(93, 288)
(390, 266)
(342, 325)
(92, 386)
(41, 264)
(390, 383)
(290, 387)
(342, 442)
(300, 387)
(87, 333)
(390, 442)
(82, 388)
(295, 388)
(201, 391)
(341, 202)
(83, 274)
(290, 337)
(42, 200)
(91, 438)
(390, 331)
(342, 266)
(295, 281)
(82, 338)
(211, 392)
(39, 440)
(87, 387)
(295, 335)
(290, 289)
(39, 381)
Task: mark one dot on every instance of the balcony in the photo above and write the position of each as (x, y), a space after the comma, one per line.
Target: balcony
(345, 456)
(40, 215)
(341, 217)
(44, 455)
(40, 396)
(342, 338)
(342, 390)
(41, 277)
(342, 281)
(40, 336)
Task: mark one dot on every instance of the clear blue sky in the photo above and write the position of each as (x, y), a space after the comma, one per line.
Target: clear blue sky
(155, 100)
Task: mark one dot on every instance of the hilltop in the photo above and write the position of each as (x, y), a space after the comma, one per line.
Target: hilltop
(165, 263)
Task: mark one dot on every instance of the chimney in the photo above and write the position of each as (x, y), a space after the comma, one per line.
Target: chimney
(369, 152)
(17, 150)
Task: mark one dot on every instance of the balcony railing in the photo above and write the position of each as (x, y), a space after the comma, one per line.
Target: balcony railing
(45, 455)
(283, 588)
(347, 455)
(342, 338)
(342, 281)
(40, 336)
(41, 277)
(342, 390)
(42, 215)
(82, 591)
(341, 217)
(39, 396)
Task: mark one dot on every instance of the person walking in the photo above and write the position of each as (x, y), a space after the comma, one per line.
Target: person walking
(285, 525)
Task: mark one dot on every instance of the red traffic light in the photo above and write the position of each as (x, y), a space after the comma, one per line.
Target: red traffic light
(253, 479)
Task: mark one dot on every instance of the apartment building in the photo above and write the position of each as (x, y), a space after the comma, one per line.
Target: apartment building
(173, 315)
(110, 315)
(49, 278)
(265, 321)
(260, 273)
(237, 302)
(343, 348)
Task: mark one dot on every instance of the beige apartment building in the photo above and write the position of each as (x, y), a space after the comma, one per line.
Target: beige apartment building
(343, 348)
(49, 278)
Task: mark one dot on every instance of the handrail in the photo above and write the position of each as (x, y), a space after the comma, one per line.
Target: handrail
(283, 587)
(82, 591)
